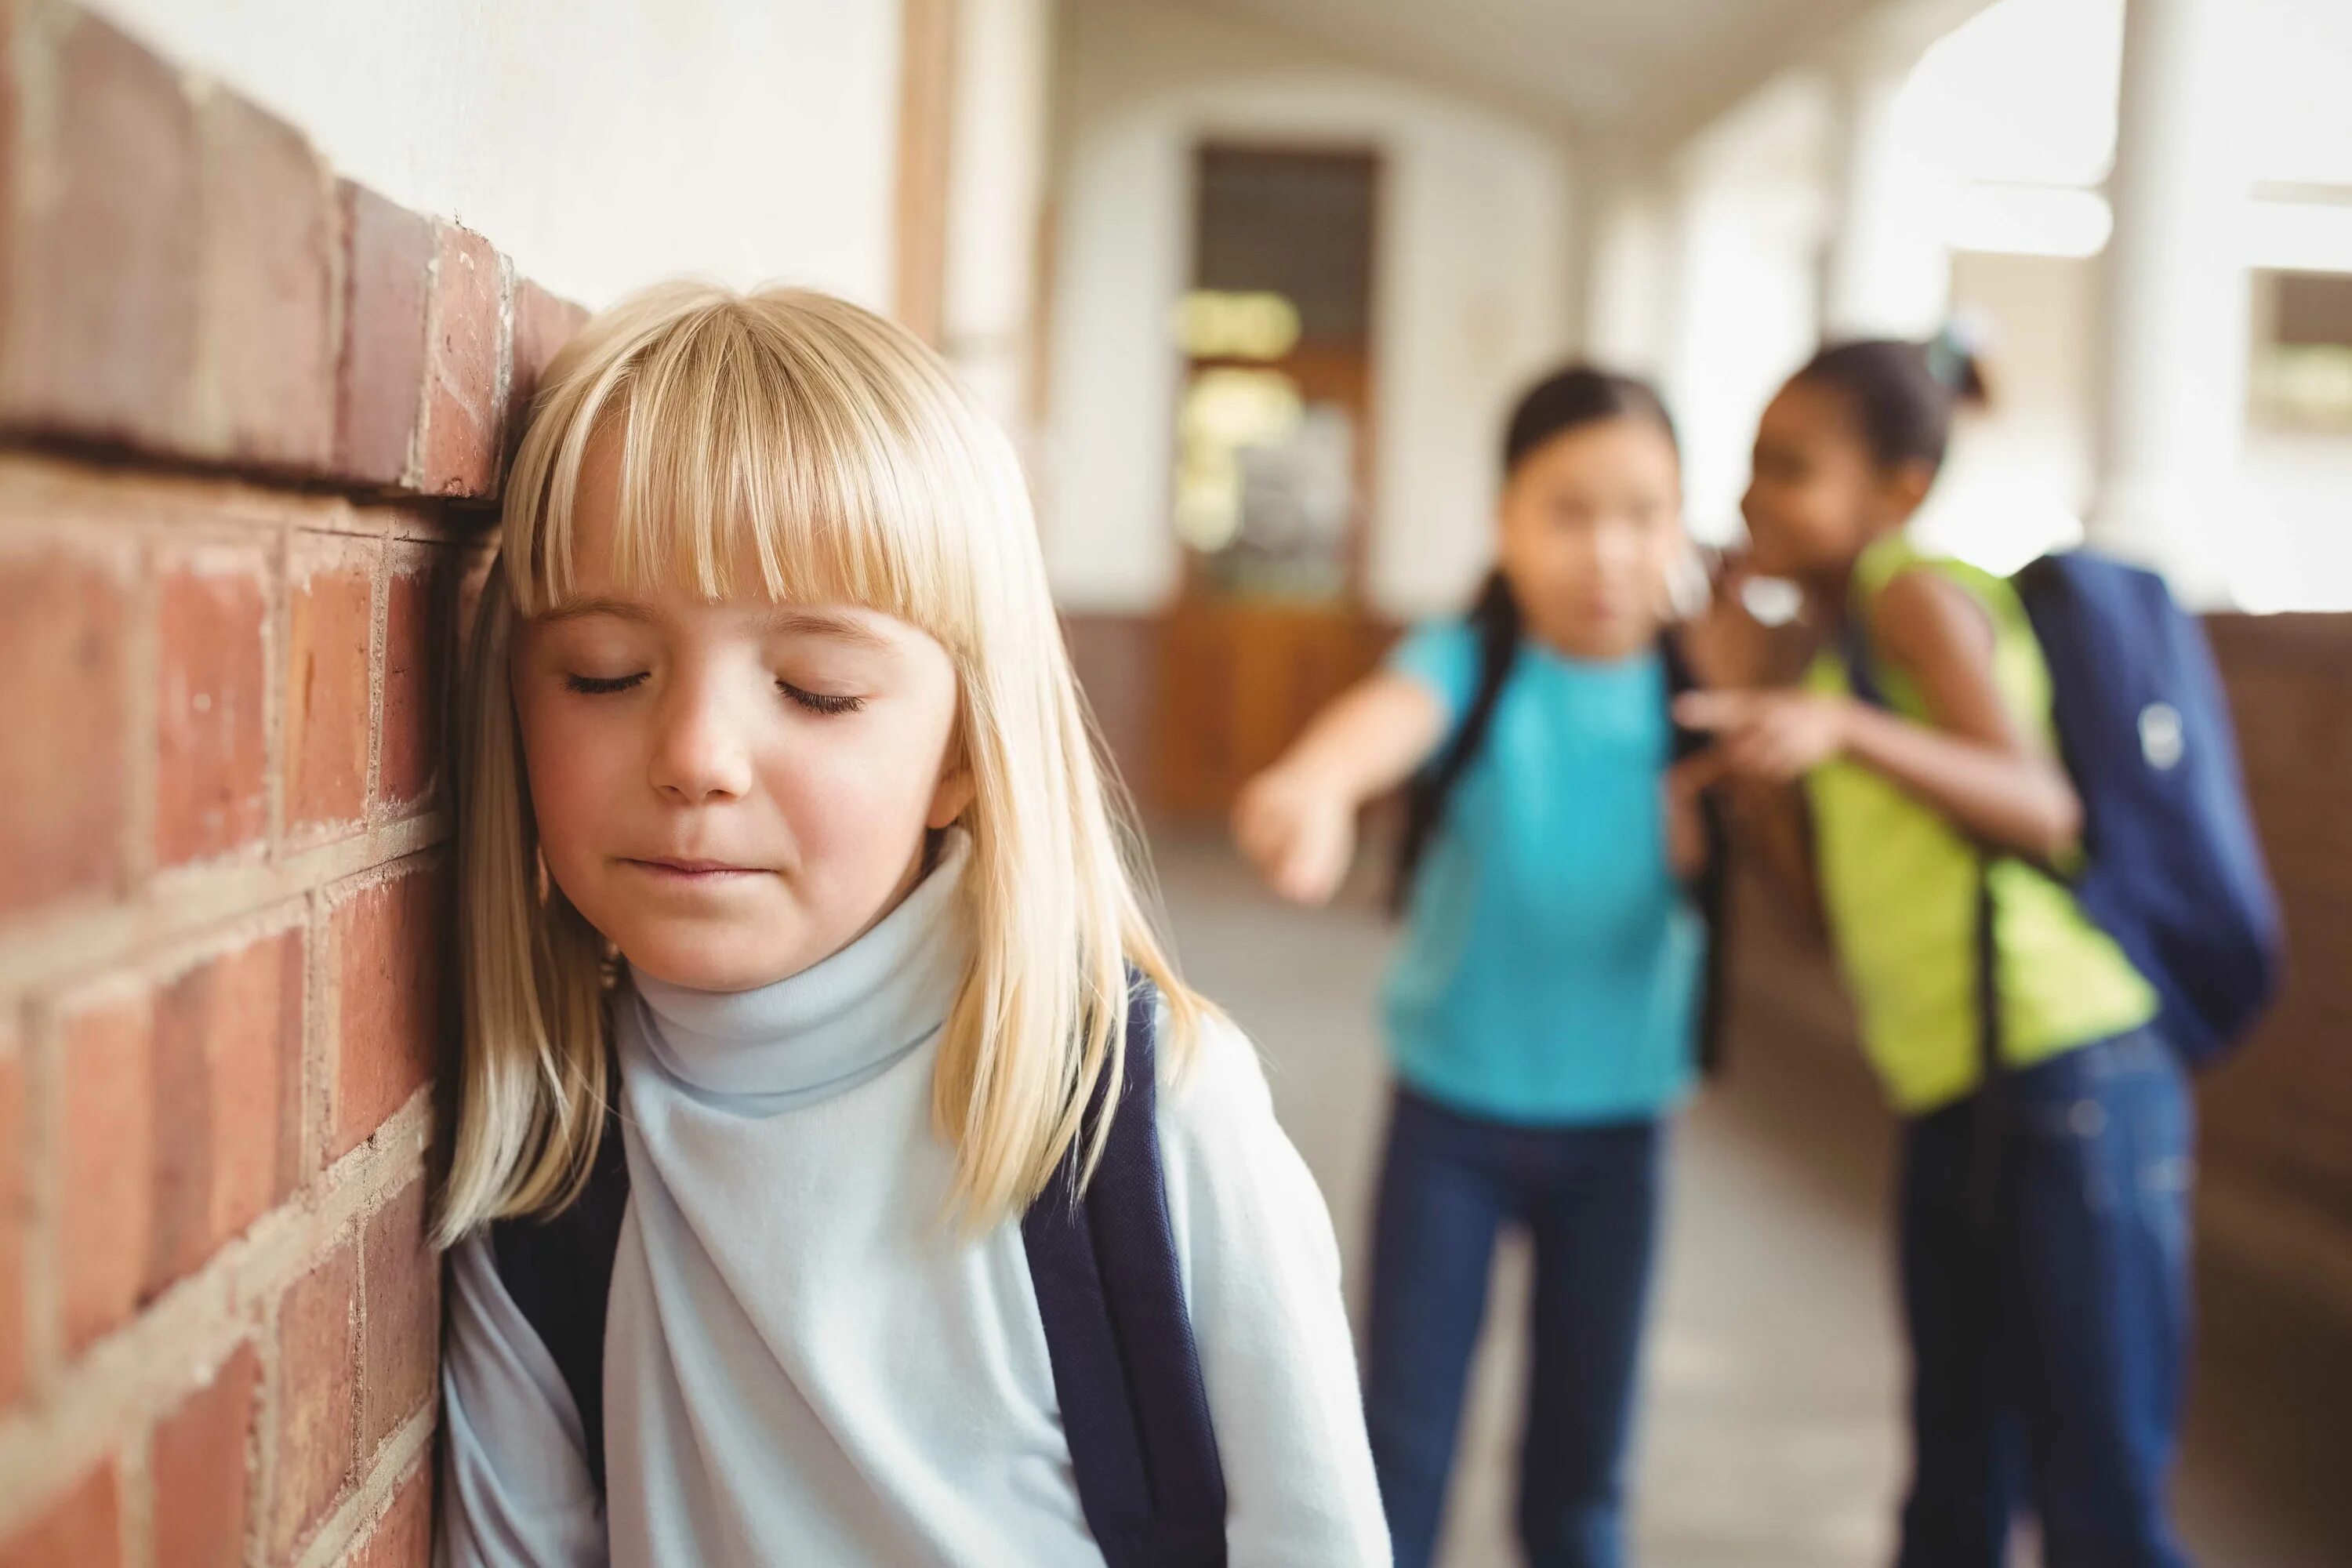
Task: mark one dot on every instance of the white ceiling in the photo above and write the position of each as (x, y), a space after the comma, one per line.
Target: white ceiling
(1643, 70)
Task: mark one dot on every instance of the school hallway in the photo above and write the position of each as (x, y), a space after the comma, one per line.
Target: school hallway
(1770, 1432)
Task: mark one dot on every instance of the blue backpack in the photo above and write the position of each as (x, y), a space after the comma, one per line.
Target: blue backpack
(2172, 869)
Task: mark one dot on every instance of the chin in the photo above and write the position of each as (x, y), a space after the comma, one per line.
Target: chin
(695, 960)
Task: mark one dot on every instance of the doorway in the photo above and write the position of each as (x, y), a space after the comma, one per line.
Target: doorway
(1271, 496)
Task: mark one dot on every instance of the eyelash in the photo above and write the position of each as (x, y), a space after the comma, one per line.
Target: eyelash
(818, 701)
(593, 686)
(814, 702)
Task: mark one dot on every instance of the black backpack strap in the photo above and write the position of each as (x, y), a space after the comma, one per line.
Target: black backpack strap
(1986, 1176)
(1127, 1371)
(1495, 621)
(558, 1271)
(1710, 888)
(1105, 1265)
(1861, 677)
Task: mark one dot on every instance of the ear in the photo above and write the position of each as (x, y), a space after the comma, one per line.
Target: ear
(953, 794)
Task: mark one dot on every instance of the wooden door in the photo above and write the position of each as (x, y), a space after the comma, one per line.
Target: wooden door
(1272, 491)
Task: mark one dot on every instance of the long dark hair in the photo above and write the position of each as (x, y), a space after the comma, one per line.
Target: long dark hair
(1564, 401)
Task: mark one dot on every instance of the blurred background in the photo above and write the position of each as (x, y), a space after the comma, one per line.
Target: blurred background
(1253, 283)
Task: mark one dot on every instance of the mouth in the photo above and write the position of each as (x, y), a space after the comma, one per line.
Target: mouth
(694, 873)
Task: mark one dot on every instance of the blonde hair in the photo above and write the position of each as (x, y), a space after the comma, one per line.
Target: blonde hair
(830, 446)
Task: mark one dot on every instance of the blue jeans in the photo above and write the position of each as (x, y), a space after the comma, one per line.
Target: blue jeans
(2050, 1324)
(1589, 1198)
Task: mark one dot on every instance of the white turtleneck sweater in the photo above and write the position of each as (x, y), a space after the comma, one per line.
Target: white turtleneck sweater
(805, 1364)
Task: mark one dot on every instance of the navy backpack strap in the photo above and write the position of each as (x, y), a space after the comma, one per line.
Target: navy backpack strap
(1710, 888)
(1127, 1371)
(1853, 647)
(1494, 622)
(559, 1269)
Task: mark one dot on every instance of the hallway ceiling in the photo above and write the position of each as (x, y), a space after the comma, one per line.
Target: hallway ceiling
(1647, 70)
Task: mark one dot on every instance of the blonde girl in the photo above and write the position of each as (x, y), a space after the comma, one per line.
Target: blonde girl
(798, 942)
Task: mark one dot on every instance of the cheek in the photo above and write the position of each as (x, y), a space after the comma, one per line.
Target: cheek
(1792, 513)
(857, 790)
(1536, 557)
(570, 764)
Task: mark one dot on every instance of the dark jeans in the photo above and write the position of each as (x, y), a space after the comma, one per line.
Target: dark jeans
(1589, 1197)
(2050, 1328)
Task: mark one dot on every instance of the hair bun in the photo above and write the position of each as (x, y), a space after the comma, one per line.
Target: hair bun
(1955, 358)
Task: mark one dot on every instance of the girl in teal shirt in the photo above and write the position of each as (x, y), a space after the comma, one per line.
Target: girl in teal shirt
(1540, 1016)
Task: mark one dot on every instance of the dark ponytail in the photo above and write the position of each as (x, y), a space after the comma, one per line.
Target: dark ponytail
(1565, 401)
(1901, 395)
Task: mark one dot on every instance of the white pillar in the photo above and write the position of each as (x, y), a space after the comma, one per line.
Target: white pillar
(996, 192)
(2171, 392)
(1631, 269)
(1886, 271)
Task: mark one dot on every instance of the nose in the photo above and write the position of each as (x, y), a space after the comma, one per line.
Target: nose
(701, 751)
(1618, 549)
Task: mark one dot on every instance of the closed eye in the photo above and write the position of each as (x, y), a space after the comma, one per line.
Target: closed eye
(598, 686)
(818, 701)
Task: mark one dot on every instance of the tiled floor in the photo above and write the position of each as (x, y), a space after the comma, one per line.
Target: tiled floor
(1771, 1436)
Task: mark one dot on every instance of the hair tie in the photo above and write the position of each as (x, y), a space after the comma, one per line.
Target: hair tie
(1953, 352)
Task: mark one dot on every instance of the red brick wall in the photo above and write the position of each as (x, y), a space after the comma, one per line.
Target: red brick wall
(251, 418)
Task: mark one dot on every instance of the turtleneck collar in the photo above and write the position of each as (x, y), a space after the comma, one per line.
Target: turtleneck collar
(835, 1024)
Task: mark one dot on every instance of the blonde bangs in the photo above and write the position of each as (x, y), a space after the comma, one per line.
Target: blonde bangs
(768, 446)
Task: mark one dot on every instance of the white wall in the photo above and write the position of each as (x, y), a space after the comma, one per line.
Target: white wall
(1472, 272)
(996, 178)
(2020, 477)
(1744, 309)
(601, 144)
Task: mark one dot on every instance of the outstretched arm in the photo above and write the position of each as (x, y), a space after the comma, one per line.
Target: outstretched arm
(1297, 821)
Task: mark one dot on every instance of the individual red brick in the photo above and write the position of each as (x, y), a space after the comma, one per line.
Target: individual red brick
(465, 410)
(82, 1528)
(256, 1010)
(16, 1217)
(62, 770)
(199, 1463)
(380, 381)
(404, 1536)
(543, 324)
(413, 636)
(329, 638)
(227, 1069)
(105, 1203)
(387, 958)
(212, 733)
(265, 345)
(99, 338)
(401, 1280)
(318, 1408)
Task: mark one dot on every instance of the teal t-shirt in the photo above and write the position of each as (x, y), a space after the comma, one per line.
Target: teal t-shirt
(1551, 964)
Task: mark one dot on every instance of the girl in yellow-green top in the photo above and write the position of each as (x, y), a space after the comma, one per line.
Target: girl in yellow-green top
(2043, 1227)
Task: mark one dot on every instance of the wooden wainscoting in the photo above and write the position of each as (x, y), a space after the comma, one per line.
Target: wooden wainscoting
(1193, 701)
